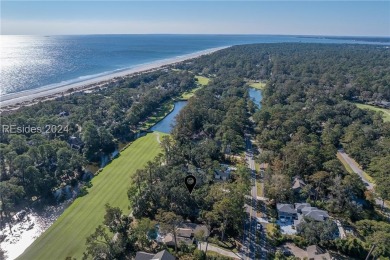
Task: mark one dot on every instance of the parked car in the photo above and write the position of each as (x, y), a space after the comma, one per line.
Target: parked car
(259, 226)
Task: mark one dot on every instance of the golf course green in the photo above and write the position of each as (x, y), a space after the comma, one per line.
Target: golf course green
(386, 112)
(67, 236)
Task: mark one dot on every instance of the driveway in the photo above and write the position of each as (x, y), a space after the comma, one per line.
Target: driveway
(202, 247)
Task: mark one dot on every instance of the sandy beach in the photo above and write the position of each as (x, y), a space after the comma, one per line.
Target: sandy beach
(25, 232)
(14, 101)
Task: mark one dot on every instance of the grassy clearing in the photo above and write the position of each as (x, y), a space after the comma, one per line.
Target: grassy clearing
(345, 164)
(188, 94)
(258, 85)
(202, 81)
(212, 254)
(66, 237)
(271, 229)
(259, 187)
(368, 177)
(385, 115)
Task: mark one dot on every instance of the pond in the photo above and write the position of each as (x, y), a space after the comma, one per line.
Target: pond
(255, 95)
(166, 125)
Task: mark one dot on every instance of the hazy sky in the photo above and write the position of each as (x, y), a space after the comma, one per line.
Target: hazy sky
(369, 18)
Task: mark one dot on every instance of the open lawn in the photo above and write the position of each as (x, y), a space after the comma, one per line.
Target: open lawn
(188, 94)
(258, 85)
(259, 186)
(202, 81)
(386, 112)
(345, 164)
(66, 237)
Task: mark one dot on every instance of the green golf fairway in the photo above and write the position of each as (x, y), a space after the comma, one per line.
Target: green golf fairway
(67, 236)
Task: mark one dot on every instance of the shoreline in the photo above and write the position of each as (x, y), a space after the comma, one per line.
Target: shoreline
(14, 101)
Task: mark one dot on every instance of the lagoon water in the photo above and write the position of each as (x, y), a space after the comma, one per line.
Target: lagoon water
(29, 62)
(166, 124)
(255, 95)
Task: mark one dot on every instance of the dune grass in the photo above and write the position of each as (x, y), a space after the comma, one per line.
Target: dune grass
(67, 236)
(386, 112)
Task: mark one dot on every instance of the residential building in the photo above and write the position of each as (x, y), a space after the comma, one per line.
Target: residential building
(223, 173)
(298, 184)
(184, 234)
(286, 212)
(162, 255)
(299, 211)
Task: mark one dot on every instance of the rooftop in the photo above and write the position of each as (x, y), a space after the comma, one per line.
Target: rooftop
(162, 255)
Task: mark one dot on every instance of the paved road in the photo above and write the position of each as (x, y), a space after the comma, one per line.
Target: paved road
(253, 239)
(355, 167)
(370, 186)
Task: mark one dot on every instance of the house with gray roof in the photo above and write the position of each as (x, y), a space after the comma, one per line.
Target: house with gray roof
(286, 212)
(315, 213)
(300, 206)
(299, 211)
(162, 255)
(304, 210)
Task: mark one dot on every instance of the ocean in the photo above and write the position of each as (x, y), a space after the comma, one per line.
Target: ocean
(30, 62)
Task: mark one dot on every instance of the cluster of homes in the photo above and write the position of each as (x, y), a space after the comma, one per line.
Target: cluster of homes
(291, 215)
(382, 104)
(184, 234)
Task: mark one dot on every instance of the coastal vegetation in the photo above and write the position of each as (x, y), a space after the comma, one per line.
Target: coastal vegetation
(306, 116)
(66, 237)
(303, 121)
(90, 127)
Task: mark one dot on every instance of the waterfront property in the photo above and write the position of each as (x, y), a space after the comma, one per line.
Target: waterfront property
(67, 236)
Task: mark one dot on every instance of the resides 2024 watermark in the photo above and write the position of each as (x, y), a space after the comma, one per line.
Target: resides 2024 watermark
(28, 129)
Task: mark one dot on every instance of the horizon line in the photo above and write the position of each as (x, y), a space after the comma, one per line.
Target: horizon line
(199, 34)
